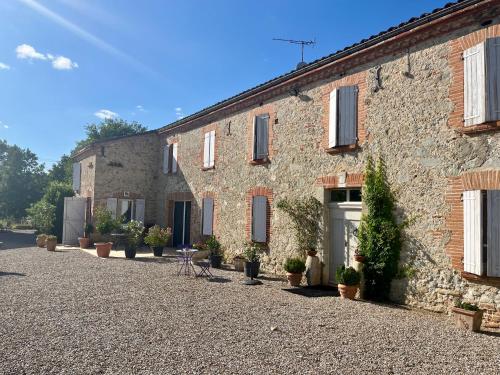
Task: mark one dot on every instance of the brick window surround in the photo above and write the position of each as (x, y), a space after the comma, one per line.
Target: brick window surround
(454, 221)
(358, 79)
(205, 130)
(458, 46)
(267, 109)
(332, 182)
(268, 193)
(213, 195)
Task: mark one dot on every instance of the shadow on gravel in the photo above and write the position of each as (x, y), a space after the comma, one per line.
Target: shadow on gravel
(16, 239)
(314, 291)
(490, 333)
(217, 279)
(152, 260)
(11, 274)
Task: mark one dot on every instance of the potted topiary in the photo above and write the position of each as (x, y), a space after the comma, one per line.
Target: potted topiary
(358, 257)
(239, 263)
(104, 224)
(133, 231)
(215, 248)
(51, 243)
(40, 240)
(252, 254)
(348, 281)
(85, 240)
(294, 268)
(157, 238)
(468, 316)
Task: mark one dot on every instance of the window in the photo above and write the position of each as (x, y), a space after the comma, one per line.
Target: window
(170, 158)
(482, 232)
(128, 209)
(482, 82)
(77, 168)
(207, 216)
(259, 218)
(345, 195)
(343, 117)
(261, 137)
(209, 149)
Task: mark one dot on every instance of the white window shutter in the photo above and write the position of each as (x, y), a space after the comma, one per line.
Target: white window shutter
(493, 252)
(111, 205)
(347, 114)
(474, 85)
(140, 206)
(165, 158)
(206, 150)
(208, 216)
(332, 120)
(259, 218)
(174, 157)
(254, 138)
(211, 160)
(493, 79)
(76, 176)
(473, 238)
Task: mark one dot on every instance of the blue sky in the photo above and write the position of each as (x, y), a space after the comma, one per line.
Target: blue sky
(64, 63)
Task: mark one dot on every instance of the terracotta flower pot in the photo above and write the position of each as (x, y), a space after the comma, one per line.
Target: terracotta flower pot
(51, 245)
(470, 320)
(294, 279)
(40, 242)
(84, 242)
(312, 253)
(348, 291)
(103, 249)
(359, 258)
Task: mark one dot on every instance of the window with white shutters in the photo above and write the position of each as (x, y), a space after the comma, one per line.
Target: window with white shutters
(482, 82)
(343, 117)
(261, 137)
(174, 158)
(482, 232)
(140, 206)
(207, 216)
(170, 158)
(209, 149)
(111, 205)
(259, 218)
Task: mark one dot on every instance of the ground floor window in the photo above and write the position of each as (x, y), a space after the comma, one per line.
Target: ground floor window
(345, 195)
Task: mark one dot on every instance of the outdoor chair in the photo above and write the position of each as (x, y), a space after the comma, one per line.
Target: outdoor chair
(200, 259)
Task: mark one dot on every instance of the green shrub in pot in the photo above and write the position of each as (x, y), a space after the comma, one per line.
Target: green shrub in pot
(133, 230)
(215, 248)
(348, 281)
(294, 268)
(157, 238)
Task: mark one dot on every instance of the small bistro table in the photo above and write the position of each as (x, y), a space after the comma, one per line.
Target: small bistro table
(186, 266)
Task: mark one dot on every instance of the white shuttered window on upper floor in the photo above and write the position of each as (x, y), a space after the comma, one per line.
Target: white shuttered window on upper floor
(343, 116)
(482, 82)
(209, 149)
(169, 158)
(261, 137)
(482, 232)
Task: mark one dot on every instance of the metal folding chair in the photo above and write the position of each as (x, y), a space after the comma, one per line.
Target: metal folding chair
(204, 268)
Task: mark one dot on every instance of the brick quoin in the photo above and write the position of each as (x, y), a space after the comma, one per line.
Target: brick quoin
(267, 109)
(458, 46)
(268, 193)
(205, 130)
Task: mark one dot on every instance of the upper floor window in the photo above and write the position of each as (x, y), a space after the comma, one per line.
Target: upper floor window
(261, 137)
(343, 117)
(209, 149)
(170, 158)
(77, 173)
(482, 82)
(482, 232)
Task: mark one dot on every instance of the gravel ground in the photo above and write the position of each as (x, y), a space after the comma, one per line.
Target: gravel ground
(71, 313)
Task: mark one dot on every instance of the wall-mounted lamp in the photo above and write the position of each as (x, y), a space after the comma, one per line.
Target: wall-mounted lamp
(294, 91)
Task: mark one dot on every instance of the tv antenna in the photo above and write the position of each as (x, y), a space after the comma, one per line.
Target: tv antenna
(302, 43)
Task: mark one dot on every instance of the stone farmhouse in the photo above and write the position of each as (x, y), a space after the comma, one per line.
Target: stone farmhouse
(424, 95)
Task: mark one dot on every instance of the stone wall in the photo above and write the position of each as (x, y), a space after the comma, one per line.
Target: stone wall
(87, 176)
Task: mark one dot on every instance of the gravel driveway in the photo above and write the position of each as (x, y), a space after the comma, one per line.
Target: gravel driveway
(72, 313)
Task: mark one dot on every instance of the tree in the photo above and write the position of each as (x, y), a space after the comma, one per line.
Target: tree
(62, 171)
(109, 128)
(42, 215)
(54, 194)
(21, 180)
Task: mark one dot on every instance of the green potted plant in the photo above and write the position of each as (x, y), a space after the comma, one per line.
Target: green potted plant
(85, 240)
(40, 240)
(252, 254)
(104, 225)
(468, 316)
(348, 281)
(51, 242)
(157, 238)
(133, 231)
(294, 268)
(215, 248)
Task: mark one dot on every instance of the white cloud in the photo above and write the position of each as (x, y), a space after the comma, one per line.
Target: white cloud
(5, 126)
(63, 63)
(140, 108)
(105, 114)
(4, 66)
(25, 51)
(178, 113)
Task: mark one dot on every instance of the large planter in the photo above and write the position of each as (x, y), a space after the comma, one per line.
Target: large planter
(347, 291)
(313, 269)
(130, 252)
(51, 245)
(40, 242)
(294, 279)
(158, 251)
(239, 264)
(215, 261)
(252, 269)
(470, 320)
(84, 242)
(103, 249)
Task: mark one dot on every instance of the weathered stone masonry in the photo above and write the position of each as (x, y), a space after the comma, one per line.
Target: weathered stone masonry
(410, 109)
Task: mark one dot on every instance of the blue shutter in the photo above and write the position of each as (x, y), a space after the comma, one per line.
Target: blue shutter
(259, 219)
(348, 115)
(208, 216)
(493, 79)
(261, 137)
